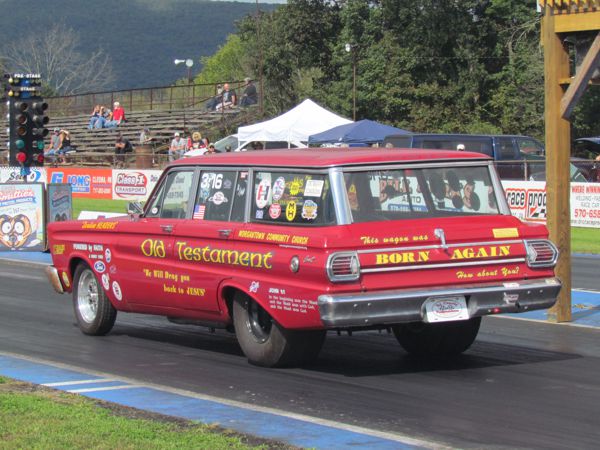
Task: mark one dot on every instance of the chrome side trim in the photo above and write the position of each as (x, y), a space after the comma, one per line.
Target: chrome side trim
(362, 309)
(443, 265)
(54, 279)
(438, 246)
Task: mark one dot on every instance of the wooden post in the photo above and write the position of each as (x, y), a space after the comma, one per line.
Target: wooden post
(558, 142)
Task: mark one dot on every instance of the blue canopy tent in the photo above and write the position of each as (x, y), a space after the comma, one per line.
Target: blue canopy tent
(363, 131)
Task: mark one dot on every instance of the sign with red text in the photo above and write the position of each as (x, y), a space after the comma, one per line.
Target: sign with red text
(133, 184)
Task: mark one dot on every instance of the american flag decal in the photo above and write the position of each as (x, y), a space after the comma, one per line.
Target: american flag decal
(199, 212)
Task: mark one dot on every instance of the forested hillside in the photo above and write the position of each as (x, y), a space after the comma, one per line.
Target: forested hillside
(473, 66)
(140, 37)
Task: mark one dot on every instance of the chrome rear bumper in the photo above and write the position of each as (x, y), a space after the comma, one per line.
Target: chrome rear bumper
(54, 279)
(407, 305)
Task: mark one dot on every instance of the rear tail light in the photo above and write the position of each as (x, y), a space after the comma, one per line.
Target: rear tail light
(541, 253)
(343, 266)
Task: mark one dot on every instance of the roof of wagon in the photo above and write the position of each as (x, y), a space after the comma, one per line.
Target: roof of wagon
(328, 157)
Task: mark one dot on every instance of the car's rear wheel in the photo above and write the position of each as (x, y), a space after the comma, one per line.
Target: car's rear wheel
(266, 343)
(437, 339)
(94, 313)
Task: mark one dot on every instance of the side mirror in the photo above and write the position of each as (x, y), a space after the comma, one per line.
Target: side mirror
(134, 208)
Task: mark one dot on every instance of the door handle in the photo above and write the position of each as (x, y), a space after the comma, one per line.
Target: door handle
(167, 228)
(224, 233)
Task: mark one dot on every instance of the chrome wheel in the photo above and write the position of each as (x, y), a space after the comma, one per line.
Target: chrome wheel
(87, 296)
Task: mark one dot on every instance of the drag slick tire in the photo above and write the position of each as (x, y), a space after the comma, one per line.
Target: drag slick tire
(94, 313)
(266, 343)
(437, 339)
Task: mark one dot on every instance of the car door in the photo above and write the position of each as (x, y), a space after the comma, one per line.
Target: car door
(204, 248)
(147, 272)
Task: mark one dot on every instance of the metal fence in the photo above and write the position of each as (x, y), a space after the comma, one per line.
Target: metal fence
(135, 100)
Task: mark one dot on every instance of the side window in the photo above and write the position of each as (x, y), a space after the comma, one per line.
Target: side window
(530, 146)
(292, 198)
(173, 196)
(215, 195)
(239, 198)
(505, 149)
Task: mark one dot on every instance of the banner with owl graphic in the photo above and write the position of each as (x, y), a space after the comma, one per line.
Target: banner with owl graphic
(22, 217)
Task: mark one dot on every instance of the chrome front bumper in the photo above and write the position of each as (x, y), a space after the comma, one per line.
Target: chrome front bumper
(407, 305)
(54, 279)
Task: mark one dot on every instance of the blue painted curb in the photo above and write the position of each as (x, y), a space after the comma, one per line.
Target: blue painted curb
(268, 425)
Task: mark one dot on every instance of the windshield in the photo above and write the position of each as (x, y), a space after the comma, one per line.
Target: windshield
(396, 194)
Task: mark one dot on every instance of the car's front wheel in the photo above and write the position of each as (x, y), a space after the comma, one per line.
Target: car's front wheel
(94, 313)
(265, 342)
(437, 339)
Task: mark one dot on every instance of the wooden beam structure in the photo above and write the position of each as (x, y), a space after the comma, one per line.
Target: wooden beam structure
(561, 18)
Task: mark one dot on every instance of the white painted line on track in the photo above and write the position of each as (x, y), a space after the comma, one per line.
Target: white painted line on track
(104, 388)
(405, 439)
(74, 383)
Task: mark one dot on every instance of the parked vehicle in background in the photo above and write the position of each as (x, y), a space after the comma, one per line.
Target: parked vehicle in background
(510, 152)
(282, 246)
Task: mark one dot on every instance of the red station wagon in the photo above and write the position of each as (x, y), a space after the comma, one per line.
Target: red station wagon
(282, 246)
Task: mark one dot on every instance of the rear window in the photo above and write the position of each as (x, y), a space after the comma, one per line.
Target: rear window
(415, 193)
(292, 199)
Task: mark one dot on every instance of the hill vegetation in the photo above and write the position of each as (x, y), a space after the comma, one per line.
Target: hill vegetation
(141, 37)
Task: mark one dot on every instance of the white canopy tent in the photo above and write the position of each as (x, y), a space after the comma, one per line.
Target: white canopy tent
(294, 126)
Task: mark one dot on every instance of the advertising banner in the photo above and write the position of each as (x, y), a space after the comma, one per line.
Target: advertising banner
(22, 217)
(59, 202)
(13, 175)
(134, 184)
(527, 201)
(90, 183)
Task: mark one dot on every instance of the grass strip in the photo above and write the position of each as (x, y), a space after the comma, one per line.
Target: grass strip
(36, 417)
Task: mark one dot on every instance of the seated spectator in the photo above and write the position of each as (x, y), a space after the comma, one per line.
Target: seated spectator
(145, 137)
(118, 116)
(211, 105)
(65, 146)
(94, 117)
(195, 142)
(228, 98)
(211, 149)
(250, 96)
(122, 146)
(53, 146)
(178, 147)
(104, 116)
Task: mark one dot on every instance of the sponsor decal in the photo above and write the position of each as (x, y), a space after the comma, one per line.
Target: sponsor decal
(313, 188)
(290, 211)
(65, 278)
(309, 210)
(58, 249)
(99, 267)
(98, 225)
(262, 193)
(105, 281)
(273, 237)
(79, 246)
(108, 255)
(259, 214)
(505, 232)
(254, 286)
(275, 211)
(117, 291)
(218, 198)
(278, 188)
(295, 187)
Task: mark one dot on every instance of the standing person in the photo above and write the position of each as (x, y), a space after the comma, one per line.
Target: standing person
(178, 147)
(122, 146)
(250, 96)
(228, 99)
